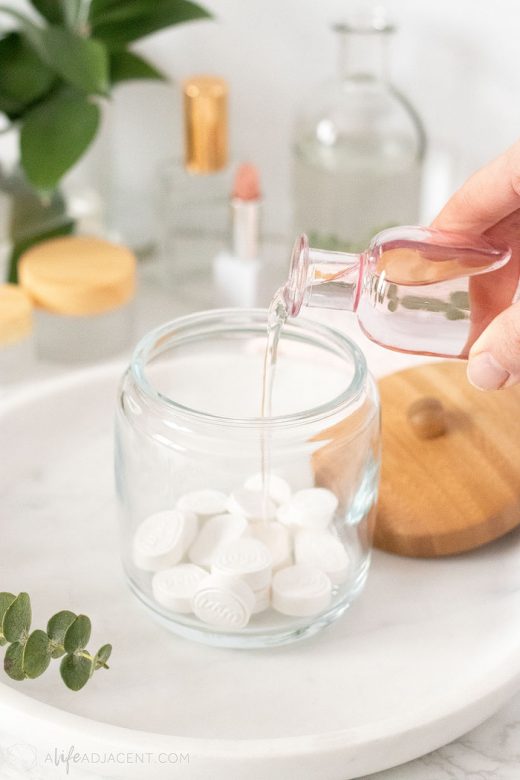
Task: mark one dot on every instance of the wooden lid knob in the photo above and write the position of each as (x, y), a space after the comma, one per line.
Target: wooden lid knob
(427, 417)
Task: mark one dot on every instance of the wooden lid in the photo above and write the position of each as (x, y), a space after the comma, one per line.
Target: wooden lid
(15, 314)
(460, 488)
(78, 275)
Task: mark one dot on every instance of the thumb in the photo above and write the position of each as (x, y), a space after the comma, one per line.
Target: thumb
(494, 359)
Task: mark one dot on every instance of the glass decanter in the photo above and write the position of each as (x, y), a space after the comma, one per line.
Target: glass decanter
(414, 289)
(359, 146)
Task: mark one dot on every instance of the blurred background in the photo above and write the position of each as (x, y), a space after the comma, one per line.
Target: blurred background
(295, 91)
(456, 62)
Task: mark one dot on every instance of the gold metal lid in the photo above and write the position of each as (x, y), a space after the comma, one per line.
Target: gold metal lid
(15, 314)
(205, 123)
(78, 275)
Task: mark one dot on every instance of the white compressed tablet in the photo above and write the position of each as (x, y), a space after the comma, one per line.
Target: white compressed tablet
(246, 558)
(223, 602)
(163, 539)
(215, 535)
(174, 587)
(323, 551)
(262, 600)
(252, 504)
(277, 538)
(203, 502)
(301, 591)
(311, 508)
(278, 489)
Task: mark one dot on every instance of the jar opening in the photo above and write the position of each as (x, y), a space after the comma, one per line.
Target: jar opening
(208, 366)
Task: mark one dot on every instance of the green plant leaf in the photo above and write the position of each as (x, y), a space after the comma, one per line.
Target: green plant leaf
(77, 635)
(102, 656)
(55, 135)
(125, 66)
(17, 618)
(6, 599)
(57, 628)
(23, 77)
(36, 654)
(119, 23)
(52, 10)
(13, 661)
(82, 62)
(75, 671)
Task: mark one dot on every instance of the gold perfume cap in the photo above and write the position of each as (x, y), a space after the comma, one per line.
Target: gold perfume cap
(205, 123)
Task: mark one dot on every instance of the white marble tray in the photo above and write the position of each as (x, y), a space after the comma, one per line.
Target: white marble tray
(430, 649)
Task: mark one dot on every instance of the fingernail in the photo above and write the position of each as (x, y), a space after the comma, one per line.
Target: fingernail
(485, 373)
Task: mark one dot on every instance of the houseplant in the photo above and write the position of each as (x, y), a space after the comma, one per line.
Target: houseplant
(56, 71)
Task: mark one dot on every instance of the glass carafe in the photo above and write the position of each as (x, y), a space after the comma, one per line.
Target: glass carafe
(358, 148)
(414, 289)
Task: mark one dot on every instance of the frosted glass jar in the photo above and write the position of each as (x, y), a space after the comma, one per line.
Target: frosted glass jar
(16, 334)
(187, 420)
(83, 289)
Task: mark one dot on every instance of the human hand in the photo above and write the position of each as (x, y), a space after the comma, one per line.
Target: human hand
(489, 202)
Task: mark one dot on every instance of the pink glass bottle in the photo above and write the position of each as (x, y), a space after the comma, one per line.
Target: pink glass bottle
(414, 289)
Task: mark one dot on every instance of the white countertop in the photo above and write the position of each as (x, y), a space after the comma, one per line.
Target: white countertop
(490, 751)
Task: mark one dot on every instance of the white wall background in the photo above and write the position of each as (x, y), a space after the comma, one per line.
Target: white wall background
(458, 61)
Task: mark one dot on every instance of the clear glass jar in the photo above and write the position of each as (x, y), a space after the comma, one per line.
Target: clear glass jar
(358, 146)
(188, 420)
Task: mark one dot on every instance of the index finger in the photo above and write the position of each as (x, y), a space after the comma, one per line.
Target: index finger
(491, 194)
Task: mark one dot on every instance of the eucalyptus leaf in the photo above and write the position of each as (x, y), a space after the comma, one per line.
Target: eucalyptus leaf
(23, 77)
(52, 10)
(6, 599)
(75, 671)
(36, 654)
(63, 127)
(126, 66)
(120, 23)
(77, 635)
(102, 656)
(17, 618)
(13, 661)
(57, 628)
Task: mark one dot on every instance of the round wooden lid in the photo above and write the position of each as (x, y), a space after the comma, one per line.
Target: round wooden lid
(78, 275)
(15, 314)
(460, 488)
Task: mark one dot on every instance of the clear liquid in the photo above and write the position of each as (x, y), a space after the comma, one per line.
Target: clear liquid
(276, 319)
(344, 196)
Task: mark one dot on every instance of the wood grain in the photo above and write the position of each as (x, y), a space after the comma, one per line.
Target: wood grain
(446, 495)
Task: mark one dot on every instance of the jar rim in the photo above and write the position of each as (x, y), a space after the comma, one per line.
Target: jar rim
(235, 317)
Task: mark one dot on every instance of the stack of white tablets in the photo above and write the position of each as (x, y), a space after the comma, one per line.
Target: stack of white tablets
(226, 558)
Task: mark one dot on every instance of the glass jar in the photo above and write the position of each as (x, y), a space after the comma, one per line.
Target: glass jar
(16, 335)
(188, 420)
(358, 146)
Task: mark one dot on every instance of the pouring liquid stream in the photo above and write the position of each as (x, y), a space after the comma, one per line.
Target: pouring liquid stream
(276, 319)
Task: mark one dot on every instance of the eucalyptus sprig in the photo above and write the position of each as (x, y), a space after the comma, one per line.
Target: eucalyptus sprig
(30, 652)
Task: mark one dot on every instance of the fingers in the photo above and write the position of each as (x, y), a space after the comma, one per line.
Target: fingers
(491, 194)
(494, 359)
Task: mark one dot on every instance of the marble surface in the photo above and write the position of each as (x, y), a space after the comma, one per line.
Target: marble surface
(491, 750)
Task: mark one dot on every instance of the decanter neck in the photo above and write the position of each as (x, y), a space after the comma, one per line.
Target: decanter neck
(321, 279)
(363, 46)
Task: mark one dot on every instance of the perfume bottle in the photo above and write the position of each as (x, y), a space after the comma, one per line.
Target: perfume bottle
(359, 146)
(414, 289)
(194, 192)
